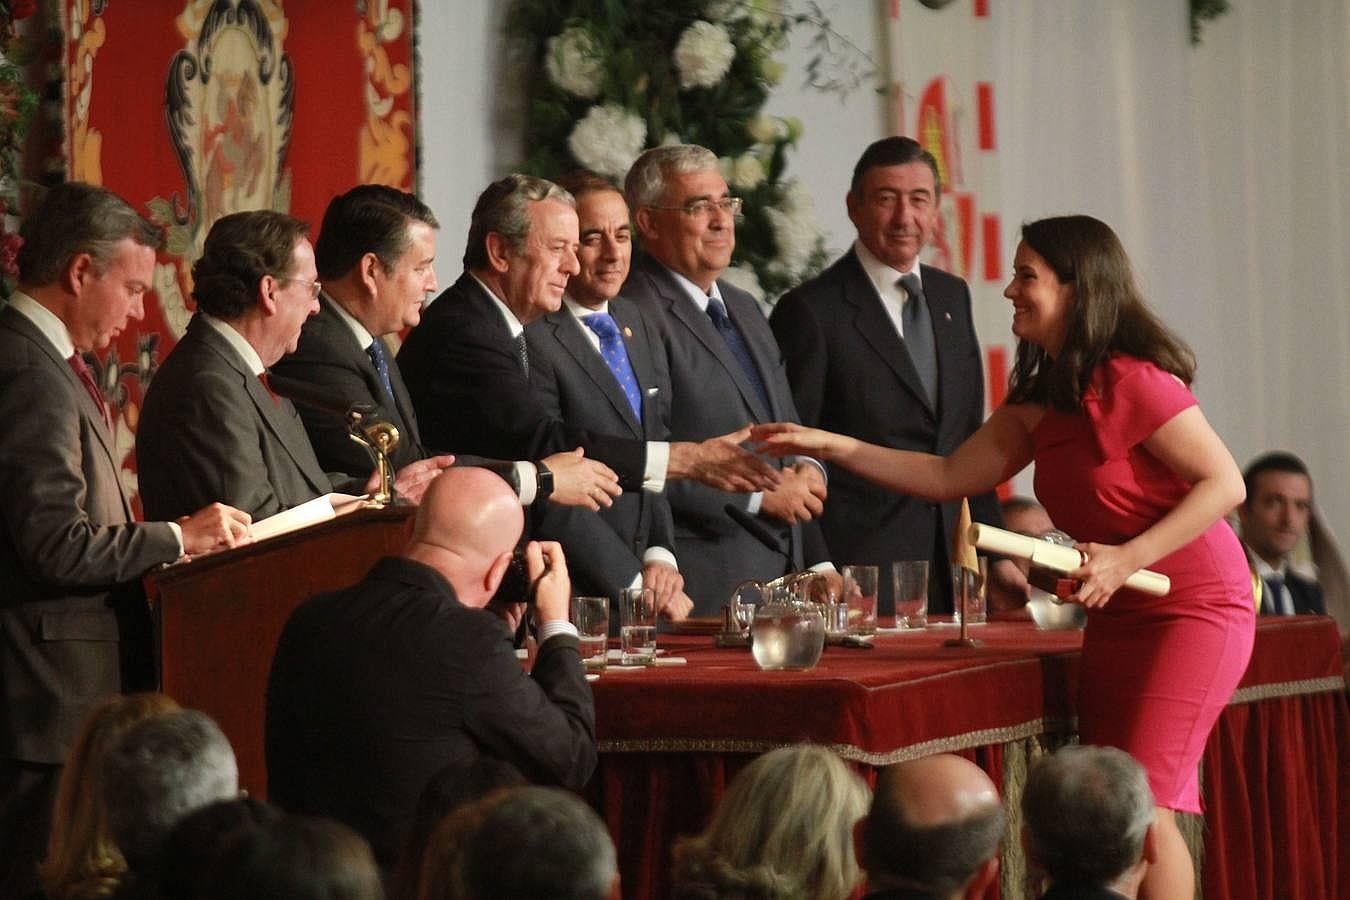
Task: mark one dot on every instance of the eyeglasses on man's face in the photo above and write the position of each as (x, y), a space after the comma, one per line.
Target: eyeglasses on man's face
(704, 209)
(314, 286)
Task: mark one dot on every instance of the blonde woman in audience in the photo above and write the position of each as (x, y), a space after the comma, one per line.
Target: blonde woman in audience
(82, 860)
(784, 831)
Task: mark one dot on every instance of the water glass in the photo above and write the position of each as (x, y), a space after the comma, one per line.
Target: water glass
(860, 598)
(637, 627)
(976, 599)
(591, 617)
(910, 578)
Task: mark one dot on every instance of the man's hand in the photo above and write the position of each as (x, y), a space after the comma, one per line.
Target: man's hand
(411, 481)
(510, 613)
(722, 463)
(578, 481)
(214, 528)
(546, 568)
(668, 585)
(799, 498)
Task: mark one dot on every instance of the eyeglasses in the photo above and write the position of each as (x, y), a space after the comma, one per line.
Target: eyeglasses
(703, 209)
(314, 286)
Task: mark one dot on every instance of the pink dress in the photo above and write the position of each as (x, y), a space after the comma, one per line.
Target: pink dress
(1156, 671)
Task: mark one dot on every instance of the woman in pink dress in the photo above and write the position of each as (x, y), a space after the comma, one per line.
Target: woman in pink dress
(1125, 461)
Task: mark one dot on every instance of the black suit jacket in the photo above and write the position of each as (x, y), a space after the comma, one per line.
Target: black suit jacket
(375, 688)
(211, 433)
(1306, 594)
(711, 395)
(471, 394)
(604, 549)
(851, 373)
(74, 627)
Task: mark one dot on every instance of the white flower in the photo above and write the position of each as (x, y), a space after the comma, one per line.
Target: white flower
(608, 139)
(572, 61)
(746, 172)
(764, 129)
(794, 229)
(725, 11)
(703, 55)
(671, 140)
(744, 278)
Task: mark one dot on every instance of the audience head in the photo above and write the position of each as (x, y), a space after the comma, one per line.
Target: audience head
(375, 256)
(89, 258)
(1278, 507)
(523, 242)
(295, 858)
(893, 200)
(684, 211)
(529, 842)
(191, 848)
(81, 854)
(159, 771)
(935, 825)
(1087, 814)
(467, 525)
(783, 829)
(259, 266)
(1075, 302)
(1025, 516)
(605, 253)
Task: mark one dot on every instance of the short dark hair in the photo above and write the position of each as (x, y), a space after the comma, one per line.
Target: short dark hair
(503, 207)
(580, 182)
(201, 836)
(240, 249)
(370, 218)
(296, 858)
(1274, 461)
(937, 858)
(894, 151)
(76, 218)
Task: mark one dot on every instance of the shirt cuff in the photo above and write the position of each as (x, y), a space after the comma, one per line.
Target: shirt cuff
(553, 629)
(660, 555)
(177, 536)
(658, 461)
(815, 462)
(756, 501)
(527, 477)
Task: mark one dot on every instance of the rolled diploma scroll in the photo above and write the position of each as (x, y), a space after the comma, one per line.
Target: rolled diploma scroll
(1056, 558)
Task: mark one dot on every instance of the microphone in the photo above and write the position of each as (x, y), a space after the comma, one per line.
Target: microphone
(756, 528)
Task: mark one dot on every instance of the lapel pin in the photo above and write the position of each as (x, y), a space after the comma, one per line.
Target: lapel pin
(947, 316)
(627, 332)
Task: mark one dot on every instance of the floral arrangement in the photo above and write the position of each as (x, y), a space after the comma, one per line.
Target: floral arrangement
(615, 78)
(17, 102)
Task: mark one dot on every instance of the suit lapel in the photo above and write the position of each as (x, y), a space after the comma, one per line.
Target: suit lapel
(875, 327)
(633, 328)
(569, 333)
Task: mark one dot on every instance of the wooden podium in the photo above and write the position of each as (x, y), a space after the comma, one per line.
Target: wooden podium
(218, 619)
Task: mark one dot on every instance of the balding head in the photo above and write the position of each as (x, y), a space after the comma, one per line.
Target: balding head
(935, 824)
(467, 525)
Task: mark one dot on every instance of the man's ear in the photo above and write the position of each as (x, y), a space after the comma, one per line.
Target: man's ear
(1150, 855)
(645, 222)
(499, 252)
(366, 268)
(267, 295)
(79, 272)
(496, 572)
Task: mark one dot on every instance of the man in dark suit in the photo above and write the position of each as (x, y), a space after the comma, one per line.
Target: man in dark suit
(1274, 519)
(599, 365)
(467, 363)
(74, 628)
(212, 429)
(375, 254)
(726, 372)
(892, 365)
(375, 688)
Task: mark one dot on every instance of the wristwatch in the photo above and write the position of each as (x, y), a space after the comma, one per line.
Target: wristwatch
(543, 483)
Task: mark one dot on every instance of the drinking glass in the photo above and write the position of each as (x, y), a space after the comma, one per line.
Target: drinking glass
(860, 598)
(637, 627)
(978, 583)
(910, 578)
(591, 617)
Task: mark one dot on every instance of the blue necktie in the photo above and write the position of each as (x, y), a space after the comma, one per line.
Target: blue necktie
(380, 357)
(717, 311)
(919, 336)
(1275, 596)
(616, 357)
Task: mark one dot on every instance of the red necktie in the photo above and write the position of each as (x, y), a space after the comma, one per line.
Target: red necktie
(262, 376)
(87, 378)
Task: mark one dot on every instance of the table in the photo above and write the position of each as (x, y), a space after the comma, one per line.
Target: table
(1276, 770)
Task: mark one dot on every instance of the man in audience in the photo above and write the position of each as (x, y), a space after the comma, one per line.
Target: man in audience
(932, 833)
(467, 363)
(725, 370)
(1274, 519)
(536, 842)
(375, 688)
(158, 772)
(74, 628)
(212, 428)
(598, 364)
(1088, 823)
(884, 349)
(375, 256)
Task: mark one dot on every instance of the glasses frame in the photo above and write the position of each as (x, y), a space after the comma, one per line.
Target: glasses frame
(315, 287)
(698, 209)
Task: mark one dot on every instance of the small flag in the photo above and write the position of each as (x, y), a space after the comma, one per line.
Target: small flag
(963, 551)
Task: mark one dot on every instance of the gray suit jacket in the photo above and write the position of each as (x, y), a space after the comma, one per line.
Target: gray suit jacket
(711, 395)
(604, 549)
(851, 373)
(74, 627)
(210, 432)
